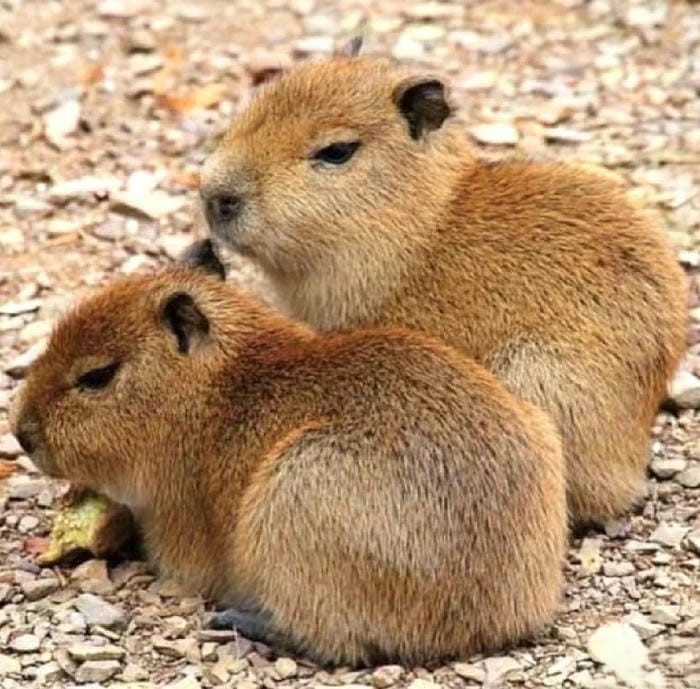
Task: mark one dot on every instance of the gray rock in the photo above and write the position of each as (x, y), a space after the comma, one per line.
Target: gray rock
(667, 468)
(619, 648)
(25, 643)
(9, 447)
(694, 540)
(40, 588)
(643, 625)
(28, 523)
(618, 569)
(86, 651)
(17, 367)
(386, 676)
(669, 535)
(180, 648)
(92, 577)
(97, 611)
(690, 478)
(415, 684)
(685, 390)
(470, 672)
(17, 308)
(23, 488)
(188, 682)
(48, 673)
(666, 614)
(500, 668)
(286, 668)
(9, 665)
(97, 670)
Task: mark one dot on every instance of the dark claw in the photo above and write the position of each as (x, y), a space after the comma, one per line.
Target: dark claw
(249, 624)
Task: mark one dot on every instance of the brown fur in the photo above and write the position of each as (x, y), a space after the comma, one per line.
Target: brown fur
(545, 273)
(378, 494)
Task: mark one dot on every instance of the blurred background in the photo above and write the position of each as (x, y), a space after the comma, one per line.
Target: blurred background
(107, 110)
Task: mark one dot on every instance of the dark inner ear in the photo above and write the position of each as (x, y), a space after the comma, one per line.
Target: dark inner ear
(182, 317)
(424, 106)
(201, 254)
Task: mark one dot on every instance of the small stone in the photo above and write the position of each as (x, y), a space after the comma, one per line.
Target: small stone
(117, 9)
(566, 135)
(188, 682)
(424, 33)
(28, 523)
(386, 676)
(666, 468)
(564, 666)
(666, 614)
(151, 206)
(286, 668)
(694, 540)
(61, 122)
(175, 244)
(37, 330)
(25, 643)
(641, 547)
(209, 651)
(9, 447)
(180, 648)
(9, 665)
(17, 308)
(83, 187)
(643, 625)
(48, 673)
(97, 670)
(142, 64)
(134, 675)
(690, 478)
(470, 672)
(581, 679)
(685, 390)
(85, 651)
(619, 648)
(496, 133)
(17, 367)
(499, 668)
(217, 673)
(218, 636)
(92, 577)
(99, 612)
(23, 488)
(314, 44)
(618, 569)
(40, 588)
(419, 684)
(669, 535)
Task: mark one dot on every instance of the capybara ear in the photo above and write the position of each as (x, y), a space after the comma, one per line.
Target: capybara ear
(183, 318)
(350, 48)
(201, 254)
(423, 103)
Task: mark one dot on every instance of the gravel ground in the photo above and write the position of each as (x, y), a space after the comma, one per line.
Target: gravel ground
(106, 112)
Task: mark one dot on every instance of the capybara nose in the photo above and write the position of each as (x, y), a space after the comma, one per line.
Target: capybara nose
(25, 441)
(222, 209)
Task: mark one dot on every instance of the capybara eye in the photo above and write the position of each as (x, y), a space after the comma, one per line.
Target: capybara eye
(337, 153)
(97, 378)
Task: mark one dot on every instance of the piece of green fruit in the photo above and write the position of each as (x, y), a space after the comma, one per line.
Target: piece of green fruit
(75, 528)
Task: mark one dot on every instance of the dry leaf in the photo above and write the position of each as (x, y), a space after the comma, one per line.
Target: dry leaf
(187, 178)
(35, 545)
(203, 97)
(91, 73)
(7, 468)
